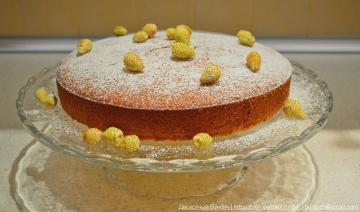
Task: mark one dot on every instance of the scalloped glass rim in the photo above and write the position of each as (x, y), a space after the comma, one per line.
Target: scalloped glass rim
(179, 165)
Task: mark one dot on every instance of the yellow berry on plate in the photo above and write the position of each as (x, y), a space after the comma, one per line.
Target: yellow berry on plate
(140, 37)
(92, 136)
(41, 93)
(182, 51)
(210, 75)
(49, 101)
(84, 46)
(185, 27)
(111, 134)
(170, 33)
(46, 99)
(293, 109)
(129, 143)
(253, 61)
(133, 62)
(120, 31)
(246, 38)
(150, 29)
(202, 140)
(182, 35)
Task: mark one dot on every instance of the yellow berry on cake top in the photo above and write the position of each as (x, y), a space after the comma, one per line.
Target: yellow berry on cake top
(133, 62)
(182, 51)
(150, 29)
(182, 35)
(246, 38)
(120, 31)
(84, 46)
(185, 27)
(140, 37)
(253, 61)
(210, 75)
(170, 33)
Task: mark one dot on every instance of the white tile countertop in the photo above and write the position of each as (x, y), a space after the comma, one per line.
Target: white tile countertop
(336, 149)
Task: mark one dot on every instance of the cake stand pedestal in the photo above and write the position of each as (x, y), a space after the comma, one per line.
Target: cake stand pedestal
(44, 180)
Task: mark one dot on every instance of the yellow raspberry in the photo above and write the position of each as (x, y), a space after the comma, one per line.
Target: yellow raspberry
(130, 143)
(92, 136)
(111, 133)
(253, 61)
(170, 33)
(133, 62)
(46, 99)
(120, 31)
(210, 75)
(41, 93)
(150, 29)
(140, 37)
(182, 35)
(84, 46)
(293, 109)
(185, 27)
(202, 140)
(50, 101)
(182, 51)
(246, 38)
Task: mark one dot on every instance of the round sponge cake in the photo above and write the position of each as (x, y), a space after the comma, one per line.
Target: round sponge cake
(167, 100)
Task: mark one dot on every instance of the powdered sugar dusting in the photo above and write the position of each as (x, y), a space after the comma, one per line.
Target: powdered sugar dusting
(168, 83)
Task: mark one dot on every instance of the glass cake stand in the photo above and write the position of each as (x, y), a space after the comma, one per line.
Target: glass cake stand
(176, 170)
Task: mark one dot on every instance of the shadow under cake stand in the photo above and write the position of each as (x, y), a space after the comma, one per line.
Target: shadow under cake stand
(168, 177)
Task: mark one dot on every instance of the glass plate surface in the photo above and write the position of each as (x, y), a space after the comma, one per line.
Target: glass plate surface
(55, 129)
